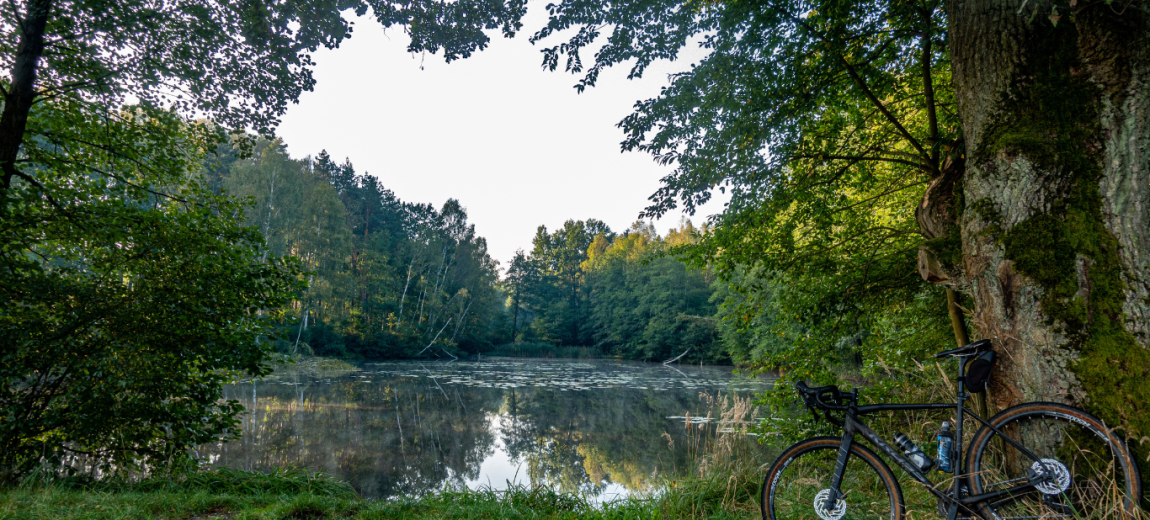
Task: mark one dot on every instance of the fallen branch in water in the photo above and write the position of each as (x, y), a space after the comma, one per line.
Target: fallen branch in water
(676, 358)
(436, 337)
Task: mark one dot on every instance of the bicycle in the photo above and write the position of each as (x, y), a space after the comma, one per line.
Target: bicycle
(1033, 460)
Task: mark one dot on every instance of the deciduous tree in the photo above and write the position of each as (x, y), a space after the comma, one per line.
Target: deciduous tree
(993, 146)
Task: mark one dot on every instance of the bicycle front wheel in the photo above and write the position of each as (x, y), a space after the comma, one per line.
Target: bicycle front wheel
(1094, 475)
(796, 486)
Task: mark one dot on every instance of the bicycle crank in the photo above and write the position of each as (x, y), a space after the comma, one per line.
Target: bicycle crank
(944, 506)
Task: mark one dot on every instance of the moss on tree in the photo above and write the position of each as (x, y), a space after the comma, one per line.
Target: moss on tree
(1051, 118)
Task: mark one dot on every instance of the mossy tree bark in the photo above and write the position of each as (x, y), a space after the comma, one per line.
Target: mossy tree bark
(1055, 200)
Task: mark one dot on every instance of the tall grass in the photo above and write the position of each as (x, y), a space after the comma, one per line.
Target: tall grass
(726, 462)
(932, 382)
(721, 481)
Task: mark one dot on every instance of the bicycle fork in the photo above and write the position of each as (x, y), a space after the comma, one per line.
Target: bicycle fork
(840, 466)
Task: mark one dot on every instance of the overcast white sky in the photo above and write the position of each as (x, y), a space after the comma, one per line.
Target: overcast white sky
(514, 143)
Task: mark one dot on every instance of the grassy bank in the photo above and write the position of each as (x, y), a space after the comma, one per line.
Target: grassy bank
(239, 495)
(541, 349)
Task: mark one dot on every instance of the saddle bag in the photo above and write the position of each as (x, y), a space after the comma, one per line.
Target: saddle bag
(978, 372)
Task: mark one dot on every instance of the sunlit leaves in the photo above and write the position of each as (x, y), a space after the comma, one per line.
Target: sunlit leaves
(823, 121)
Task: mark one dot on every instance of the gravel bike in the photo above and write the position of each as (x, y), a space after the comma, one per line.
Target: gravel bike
(1035, 460)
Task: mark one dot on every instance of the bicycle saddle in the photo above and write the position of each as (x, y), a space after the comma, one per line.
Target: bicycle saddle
(967, 350)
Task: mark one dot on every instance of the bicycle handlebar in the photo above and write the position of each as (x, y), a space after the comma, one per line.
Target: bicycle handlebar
(821, 397)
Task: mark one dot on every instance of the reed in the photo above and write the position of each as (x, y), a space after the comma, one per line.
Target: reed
(726, 461)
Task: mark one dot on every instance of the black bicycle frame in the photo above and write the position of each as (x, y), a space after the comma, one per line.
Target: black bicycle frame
(958, 499)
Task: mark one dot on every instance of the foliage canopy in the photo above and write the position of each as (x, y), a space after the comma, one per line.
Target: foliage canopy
(130, 293)
(825, 120)
(130, 290)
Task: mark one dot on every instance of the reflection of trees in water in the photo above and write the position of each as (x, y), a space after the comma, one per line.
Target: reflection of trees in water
(410, 434)
(581, 441)
(394, 437)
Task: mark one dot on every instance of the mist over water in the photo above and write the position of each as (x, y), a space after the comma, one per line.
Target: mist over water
(604, 428)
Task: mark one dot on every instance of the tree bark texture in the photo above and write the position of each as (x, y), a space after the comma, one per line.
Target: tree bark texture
(1055, 200)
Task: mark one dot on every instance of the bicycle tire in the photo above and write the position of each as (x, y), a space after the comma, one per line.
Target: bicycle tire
(789, 494)
(1096, 461)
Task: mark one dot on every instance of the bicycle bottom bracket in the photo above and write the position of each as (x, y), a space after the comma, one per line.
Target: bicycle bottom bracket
(944, 505)
(1058, 482)
(837, 513)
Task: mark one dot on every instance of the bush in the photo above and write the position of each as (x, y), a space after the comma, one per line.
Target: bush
(124, 316)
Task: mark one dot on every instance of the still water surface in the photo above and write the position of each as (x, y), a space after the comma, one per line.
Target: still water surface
(600, 427)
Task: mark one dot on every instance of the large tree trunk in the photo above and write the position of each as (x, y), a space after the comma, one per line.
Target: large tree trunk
(1055, 213)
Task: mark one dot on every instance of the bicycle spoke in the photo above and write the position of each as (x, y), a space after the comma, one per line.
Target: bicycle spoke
(1077, 474)
(798, 492)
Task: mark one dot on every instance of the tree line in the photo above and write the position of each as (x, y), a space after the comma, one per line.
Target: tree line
(130, 292)
(384, 278)
(625, 294)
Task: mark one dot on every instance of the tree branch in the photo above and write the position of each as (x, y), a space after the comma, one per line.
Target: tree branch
(881, 107)
(861, 83)
(48, 197)
(928, 89)
(858, 158)
(22, 91)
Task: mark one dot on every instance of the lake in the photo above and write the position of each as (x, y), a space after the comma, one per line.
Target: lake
(604, 428)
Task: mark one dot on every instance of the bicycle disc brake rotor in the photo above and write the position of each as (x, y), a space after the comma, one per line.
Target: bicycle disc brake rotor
(839, 511)
(1061, 479)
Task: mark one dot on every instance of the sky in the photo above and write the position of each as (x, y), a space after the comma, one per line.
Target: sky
(514, 143)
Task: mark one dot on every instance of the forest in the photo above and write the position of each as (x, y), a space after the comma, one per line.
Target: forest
(903, 177)
(385, 278)
(392, 279)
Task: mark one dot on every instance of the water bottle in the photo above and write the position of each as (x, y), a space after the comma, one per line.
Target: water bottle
(946, 448)
(920, 460)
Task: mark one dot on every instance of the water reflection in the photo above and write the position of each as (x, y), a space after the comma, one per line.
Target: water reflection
(602, 428)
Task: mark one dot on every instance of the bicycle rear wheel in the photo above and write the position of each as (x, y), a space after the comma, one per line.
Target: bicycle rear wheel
(796, 486)
(1095, 475)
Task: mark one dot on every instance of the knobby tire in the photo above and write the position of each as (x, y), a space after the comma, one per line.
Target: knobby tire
(869, 489)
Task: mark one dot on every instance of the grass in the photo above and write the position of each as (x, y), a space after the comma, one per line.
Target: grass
(155, 499)
(539, 349)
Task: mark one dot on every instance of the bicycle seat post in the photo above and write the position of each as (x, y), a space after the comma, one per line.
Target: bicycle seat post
(956, 489)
